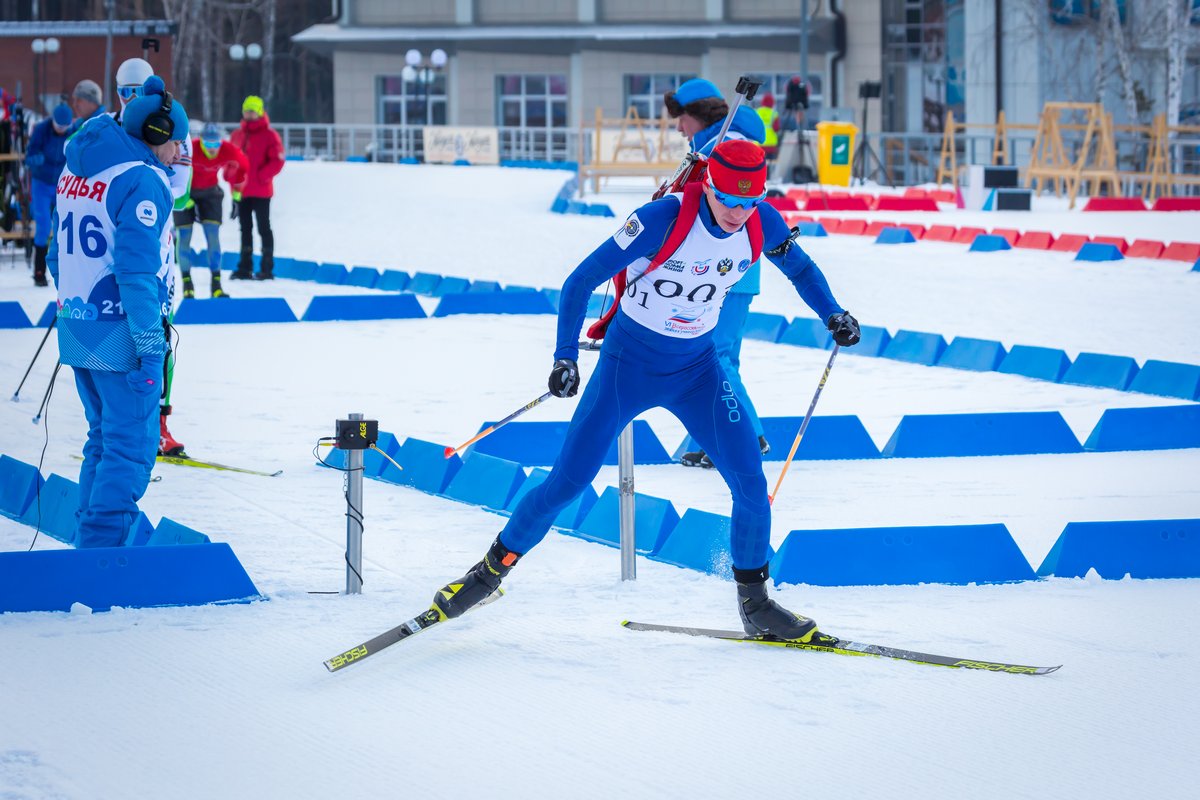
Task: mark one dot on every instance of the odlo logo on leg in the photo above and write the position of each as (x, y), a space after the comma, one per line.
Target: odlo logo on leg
(730, 401)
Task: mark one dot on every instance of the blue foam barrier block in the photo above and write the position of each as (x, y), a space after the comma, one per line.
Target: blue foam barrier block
(955, 554)
(895, 236)
(915, 347)
(701, 542)
(366, 277)
(393, 280)
(1162, 428)
(1169, 379)
(409, 160)
(1005, 434)
(494, 303)
(129, 577)
(461, 162)
(285, 263)
(48, 313)
(1044, 363)
(13, 316)
(766, 327)
(229, 261)
(1160, 548)
(53, 509)
(827, 438)
(452, 286)
(233, 311)
(981, 355)
(1196, 266)
(600, 210)
(333, 274)
(570, 517)
(425, 466)
(356, 159)
(536, 444)
(654, 518)
(169, 532)
(515, 288)
(485, 286)
(874, 341)
(486, 481)
(363, 306)
(559, 206)
(424, 283)
(19, 484)
(812, 229)
(304, 270)
(1095, 251)
(598, 304)
(576, 207)
(1097, 369)
(139, 533)
(553, 295)
(806, 332)
(989, 243)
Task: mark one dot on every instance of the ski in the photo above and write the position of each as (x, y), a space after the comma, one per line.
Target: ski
(832, 644)
(184, 461)
(399, 633)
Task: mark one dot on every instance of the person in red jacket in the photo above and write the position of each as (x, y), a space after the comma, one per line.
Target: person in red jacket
(211, 158)
(264, 152)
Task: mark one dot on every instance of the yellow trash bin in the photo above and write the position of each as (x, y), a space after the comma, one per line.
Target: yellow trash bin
(835, 152)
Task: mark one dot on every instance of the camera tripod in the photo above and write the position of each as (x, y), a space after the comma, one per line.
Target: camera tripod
(866, 161)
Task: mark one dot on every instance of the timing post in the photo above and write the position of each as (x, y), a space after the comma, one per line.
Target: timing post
(354, 435)
(626, 503)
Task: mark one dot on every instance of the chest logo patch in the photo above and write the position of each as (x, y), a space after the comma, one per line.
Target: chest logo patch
(701, 267)
(146, 213)
(725, 266)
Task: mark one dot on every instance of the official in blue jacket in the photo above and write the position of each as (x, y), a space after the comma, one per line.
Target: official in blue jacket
(112, 258)
(45, 158)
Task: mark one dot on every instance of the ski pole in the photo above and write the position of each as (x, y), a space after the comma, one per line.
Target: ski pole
(450, 451)
(50, 327)
(803, 425)
(46, 396)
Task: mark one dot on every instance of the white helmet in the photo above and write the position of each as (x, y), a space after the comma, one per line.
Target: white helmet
(133, 72)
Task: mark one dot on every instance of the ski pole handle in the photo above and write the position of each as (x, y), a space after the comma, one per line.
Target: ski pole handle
(804, 425)
(450, 451)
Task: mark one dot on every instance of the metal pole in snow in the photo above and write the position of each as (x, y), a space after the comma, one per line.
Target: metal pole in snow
(354, 518)
(627, 515)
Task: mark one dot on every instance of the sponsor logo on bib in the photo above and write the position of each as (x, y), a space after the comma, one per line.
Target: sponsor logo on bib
(743, 265)
(725, 266)
(674, 265)
(701, 267)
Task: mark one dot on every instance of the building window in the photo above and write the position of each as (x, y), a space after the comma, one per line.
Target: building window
(421, 101)
(531, 101)
(924, 69)
(645, 92)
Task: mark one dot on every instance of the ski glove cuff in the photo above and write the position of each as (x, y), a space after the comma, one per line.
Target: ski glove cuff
(845, 329)
(564, 378)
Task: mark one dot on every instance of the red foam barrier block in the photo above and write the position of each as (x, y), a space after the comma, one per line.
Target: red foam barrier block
(941, 233)
(798, 194)
(1115, 204)
(944, 196)
(832, 203)
(783, 204)
(891, 203)
(1035, 240)
(838, 193)
(830, 224)
(967, 235)
(854, 227)
(918, 231)
(916, 191)
(1181, 251)
(875, 227)
(1115, 241)
(1176, 204)
(795, 217)
(1070, 243)
(1145, 248)
(1010, 234)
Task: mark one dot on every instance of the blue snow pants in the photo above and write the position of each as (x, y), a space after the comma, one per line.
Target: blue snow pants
(122, 443)
(212, 236)
(727, 338)
(41, 202)
(639, 369)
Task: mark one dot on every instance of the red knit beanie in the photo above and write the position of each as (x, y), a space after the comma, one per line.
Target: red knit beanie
(738, 167)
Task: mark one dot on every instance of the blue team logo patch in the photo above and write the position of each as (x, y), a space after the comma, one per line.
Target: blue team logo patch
(632, 228)
(743, 265)
(700, 267)
(725, 266)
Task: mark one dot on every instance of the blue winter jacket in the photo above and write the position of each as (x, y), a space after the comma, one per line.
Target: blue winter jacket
(49, 144)
(120, 322)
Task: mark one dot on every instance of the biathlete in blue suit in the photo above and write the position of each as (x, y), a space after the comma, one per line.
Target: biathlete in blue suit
(682, 254)
(45, 158)
(112, 257)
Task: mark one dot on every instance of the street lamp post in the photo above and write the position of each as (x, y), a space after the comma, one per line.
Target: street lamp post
(421, 72)
(244, 54)
(41, 49)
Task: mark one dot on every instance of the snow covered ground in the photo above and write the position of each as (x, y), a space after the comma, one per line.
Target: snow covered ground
(543, 693)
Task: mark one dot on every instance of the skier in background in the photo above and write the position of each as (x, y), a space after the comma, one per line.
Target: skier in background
(111, 257)
(45, 158)
(212, 157)
(659, 352)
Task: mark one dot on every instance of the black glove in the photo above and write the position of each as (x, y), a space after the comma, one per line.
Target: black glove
(844, 329)
(233, 210)
(564, 378)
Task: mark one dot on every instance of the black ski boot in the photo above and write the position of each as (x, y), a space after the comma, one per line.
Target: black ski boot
(700, 459)
(39, 265)
(454, 599)
(245, 267)
(189, 289)
(266, 267)
(217, 291)
(762, 616)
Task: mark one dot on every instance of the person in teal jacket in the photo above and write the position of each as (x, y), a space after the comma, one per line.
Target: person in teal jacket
(111, 257)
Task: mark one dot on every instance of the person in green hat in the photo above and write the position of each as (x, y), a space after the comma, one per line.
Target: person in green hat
(264, 153)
